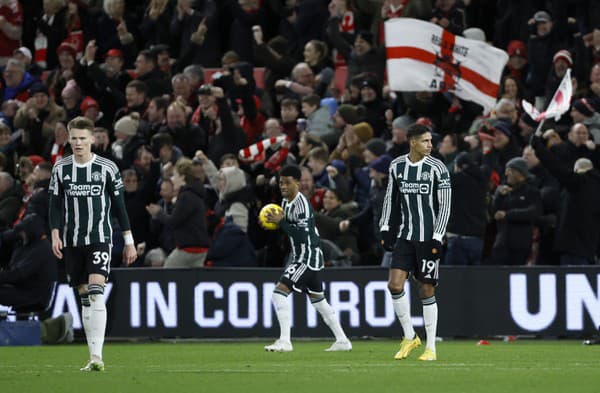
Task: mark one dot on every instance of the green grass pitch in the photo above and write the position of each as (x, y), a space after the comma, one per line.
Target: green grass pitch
(462, 366)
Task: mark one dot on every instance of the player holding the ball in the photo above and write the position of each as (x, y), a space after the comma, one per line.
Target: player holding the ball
(296, 219)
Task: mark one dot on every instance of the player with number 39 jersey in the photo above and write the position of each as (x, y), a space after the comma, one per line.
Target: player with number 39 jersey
(84, 190)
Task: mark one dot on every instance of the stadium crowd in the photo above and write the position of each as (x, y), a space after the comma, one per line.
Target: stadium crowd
(176, 88)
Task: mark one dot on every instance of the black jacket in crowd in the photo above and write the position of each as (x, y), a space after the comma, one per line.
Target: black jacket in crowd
(188, 220)
(578, 226)
(523, 205)
(468, 215)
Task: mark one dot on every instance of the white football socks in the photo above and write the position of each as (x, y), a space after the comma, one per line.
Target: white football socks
(97, 322)
(402, 309)
(430, 317)
(85, 318)
(330, 318)
(282, 310)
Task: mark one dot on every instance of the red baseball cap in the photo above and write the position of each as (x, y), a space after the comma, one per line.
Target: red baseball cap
(114, 53)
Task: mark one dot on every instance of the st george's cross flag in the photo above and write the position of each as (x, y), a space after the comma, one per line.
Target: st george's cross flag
(422, 56)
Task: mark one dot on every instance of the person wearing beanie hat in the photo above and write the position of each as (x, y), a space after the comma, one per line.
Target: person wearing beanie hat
(565, 56)
(381, 164)
(517, 65)
(38, 118)
(346, 114)
(582, 111)
(38, 87)
(475, 33)
(127, 126)
(516, 206)
(363, 131)
(561, 62)
(91, 109)
(518, 164)
(126, 141)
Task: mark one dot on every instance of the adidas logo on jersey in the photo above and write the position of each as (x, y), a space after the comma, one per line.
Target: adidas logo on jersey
(67, 177)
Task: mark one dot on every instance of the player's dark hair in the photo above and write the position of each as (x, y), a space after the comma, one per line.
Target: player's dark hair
(415, 130)
(291, 170)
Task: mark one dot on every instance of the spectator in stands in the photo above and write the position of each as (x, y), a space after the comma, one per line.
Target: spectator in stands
(352, 142)
(136, 94)
(578, 145)
(68, 69)
(328, 221)
(163, 149)
(38, 118)
(583, 112)
(135, 202)
(245, 14)
(127, 141)
(51, 31)
(59, 146)
(561, 62)
(468, 216)
(398, 144)
(187, 221)
(154, 118)
(182, 90)
(517, 205)
(289, 117)
(367, 220)
(578, 226)
(24, 54)
(102, 145)
(89, 108)
(448, 149)
(370, 98)
(517, 65)
(11, 193)
(187, 137)
(449, 15)
(110, 79)
(115, 28)
(318, 119)
(498, 147)
(155, 23)
(38, 199)
(307, 188)
(11, 24)
(30, 275)
(198, 32)
(147, 71)
(360, 57)
(315, 55)
(306, 144)
(7, 147)
(165, 238)
(549, 188)
(234, 196)
(70, 97)
(15, 81)
(547, 38)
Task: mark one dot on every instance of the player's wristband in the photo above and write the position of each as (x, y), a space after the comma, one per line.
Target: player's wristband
(128, 237)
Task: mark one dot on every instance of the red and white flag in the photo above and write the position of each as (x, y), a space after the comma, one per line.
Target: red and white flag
(422, 56)
(559, 104)
(252, 151)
